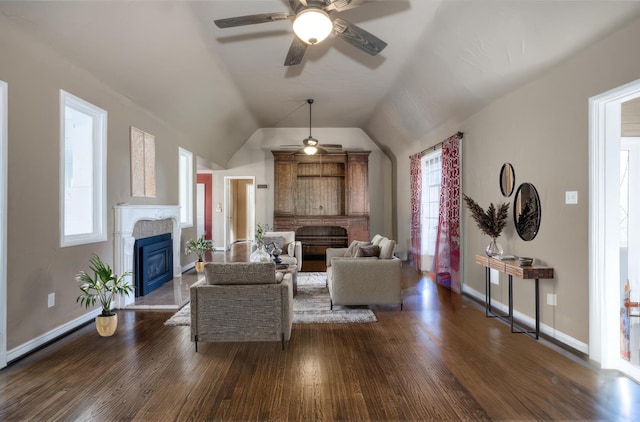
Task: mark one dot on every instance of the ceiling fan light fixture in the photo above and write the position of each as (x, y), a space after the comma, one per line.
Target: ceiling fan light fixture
(312, 25)
(310, 145)
(310, 150)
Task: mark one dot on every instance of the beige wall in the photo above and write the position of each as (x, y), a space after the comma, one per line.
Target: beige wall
(255, 159)
(37, 265)
(542, 129)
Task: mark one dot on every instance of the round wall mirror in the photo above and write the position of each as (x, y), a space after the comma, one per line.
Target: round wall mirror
(507, 179)
(526, 211)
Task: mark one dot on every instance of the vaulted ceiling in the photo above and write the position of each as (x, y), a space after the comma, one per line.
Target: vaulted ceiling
(445, 59)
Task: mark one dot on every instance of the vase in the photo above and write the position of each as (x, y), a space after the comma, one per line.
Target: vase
(494, 248)
(260, 255)
(106, 324)
(199, 266)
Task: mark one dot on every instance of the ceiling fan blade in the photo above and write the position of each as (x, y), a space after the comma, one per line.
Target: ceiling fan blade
(296, 52)
(341, 5)
(358, 37)
(251, 19)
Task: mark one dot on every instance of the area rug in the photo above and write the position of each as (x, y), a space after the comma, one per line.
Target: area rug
(310, 306)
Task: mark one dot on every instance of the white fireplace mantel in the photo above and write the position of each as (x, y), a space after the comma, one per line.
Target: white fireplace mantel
(126, 217)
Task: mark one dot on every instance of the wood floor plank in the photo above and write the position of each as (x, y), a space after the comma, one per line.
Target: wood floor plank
(438, 359)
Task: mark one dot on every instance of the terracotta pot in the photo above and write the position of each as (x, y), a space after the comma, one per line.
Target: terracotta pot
(106, 325)
(200, 266)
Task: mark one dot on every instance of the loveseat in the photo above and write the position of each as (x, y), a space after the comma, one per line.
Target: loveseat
(365, 273)
(291, 248)
(241, 301)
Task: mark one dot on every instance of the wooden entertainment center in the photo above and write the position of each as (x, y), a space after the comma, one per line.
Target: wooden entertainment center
(316, 195)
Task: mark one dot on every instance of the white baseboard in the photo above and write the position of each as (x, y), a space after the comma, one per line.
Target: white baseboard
(546, 329)
(189, 266)
(33, 344)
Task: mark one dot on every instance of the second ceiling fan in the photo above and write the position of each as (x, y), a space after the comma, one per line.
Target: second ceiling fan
(312, 23)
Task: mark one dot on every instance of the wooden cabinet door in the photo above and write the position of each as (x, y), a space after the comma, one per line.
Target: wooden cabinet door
(284, 180)
(358, 181)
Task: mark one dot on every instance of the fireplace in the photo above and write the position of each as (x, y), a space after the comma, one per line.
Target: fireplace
(125, 219)
(316, 239)
(153, 260)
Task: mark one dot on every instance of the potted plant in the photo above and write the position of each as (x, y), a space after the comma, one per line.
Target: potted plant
(103, 286)
(199, 246)
(260, 254)
(490, 222)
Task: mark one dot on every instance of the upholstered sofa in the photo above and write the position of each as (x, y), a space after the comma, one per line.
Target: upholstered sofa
(241, 301)
(365, 273)
(291, 248)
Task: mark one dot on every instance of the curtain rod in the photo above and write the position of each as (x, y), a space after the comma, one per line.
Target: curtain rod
(459, 134)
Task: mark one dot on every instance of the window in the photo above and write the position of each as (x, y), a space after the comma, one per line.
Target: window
(185, 169)
(83, 141)
(430, 205)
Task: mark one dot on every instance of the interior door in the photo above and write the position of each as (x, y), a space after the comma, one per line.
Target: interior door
(239, 208)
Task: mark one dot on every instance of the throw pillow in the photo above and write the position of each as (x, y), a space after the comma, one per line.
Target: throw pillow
(368, 251)
(387, 246)
(279, 241)
(375, 240)
(351, 250)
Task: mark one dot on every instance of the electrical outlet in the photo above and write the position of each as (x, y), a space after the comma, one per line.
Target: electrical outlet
(571, 197)
(494, 276)
(552, 299)
(51, 300)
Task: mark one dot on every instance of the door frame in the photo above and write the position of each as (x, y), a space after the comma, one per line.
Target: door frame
(604, 261)
(3, 220)
(228, 208)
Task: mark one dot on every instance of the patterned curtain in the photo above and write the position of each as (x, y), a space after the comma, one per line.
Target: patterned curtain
(447, 256)
(416, 194)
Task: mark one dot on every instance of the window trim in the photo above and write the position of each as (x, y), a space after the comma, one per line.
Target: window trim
(4, 102)
(188, 174)
(99, 233)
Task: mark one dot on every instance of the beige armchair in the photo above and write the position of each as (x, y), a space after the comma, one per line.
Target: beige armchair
(241, 301)
(291, 248)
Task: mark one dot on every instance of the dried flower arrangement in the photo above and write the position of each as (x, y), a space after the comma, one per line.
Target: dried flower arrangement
(490, 222)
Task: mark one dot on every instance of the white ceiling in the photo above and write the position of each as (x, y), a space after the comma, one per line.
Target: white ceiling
(444, 58)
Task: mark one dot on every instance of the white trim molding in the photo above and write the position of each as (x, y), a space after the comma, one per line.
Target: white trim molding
(4, 112)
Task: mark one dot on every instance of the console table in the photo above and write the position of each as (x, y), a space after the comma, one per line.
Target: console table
(511, 268)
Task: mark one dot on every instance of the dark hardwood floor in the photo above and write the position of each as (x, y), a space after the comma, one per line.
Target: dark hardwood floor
(439, 359)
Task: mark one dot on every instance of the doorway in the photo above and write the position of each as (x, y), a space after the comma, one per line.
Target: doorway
(239, 208)
(610, 247)
(204, 205)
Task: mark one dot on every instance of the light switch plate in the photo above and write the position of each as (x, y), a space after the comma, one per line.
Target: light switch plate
(571, 197)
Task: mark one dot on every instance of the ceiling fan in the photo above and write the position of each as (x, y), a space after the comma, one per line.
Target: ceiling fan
(310, 145)
(312, 23)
